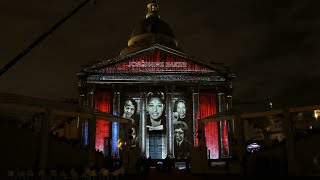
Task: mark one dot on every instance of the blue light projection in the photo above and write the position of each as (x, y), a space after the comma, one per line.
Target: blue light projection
(86, 133)
(115, 137)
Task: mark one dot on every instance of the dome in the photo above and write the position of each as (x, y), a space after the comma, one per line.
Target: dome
(152, 30)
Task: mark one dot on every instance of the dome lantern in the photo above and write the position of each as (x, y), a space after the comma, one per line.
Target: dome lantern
(152, 10)
(151, 30)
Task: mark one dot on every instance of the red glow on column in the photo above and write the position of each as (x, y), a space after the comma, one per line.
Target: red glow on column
(225, 144)
(103, 103)
(208, 107)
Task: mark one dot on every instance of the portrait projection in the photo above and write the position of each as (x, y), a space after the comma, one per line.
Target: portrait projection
(156, 124)
(182, 126)
(179, 112)
(182, 146)
(130, 110)
(156, 119)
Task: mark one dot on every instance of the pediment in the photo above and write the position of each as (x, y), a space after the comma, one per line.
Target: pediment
(157, 58)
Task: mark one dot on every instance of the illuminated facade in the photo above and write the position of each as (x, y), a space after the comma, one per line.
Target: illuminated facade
(162, 91)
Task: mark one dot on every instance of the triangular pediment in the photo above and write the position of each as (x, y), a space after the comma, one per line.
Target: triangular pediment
(156, 58)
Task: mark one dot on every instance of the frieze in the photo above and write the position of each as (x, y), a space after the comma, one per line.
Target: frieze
(157, 78)
(156, 58)
(104, 71)
(157, 64)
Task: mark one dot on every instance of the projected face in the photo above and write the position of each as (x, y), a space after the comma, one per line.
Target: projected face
(128, 109)
(155, 108)
(181, 109)
(179, 135)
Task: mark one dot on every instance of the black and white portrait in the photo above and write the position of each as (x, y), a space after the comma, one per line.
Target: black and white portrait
(182, 146)
(179, 111)
(156, 111)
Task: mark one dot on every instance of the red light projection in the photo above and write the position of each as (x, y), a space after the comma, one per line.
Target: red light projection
(103, 102)
(157, 61)
(225, 144)
(208, 107)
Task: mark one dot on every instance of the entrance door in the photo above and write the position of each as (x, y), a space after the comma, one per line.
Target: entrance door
(155, 144)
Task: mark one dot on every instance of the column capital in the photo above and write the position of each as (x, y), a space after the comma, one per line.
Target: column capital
(84, 87)
(222, 104)
(220, 89)
(90, 88)
(90, 96)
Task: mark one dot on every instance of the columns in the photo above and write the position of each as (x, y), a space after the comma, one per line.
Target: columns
(81, 126)
(115, 125)
(202, 141)
(195, 112)
(82, 99)
(230, 126)
(142, 123)
(169, 122)
(223, 131)
(222, 106)
(82, 92)
(90, 97)
(82, 102)
(81, 122)
(91, 129)
(229, 107)
(229, 102)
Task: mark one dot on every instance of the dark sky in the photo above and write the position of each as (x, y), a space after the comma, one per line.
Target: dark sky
(273, 46)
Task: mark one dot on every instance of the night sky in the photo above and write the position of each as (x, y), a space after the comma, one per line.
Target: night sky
(273, 46)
